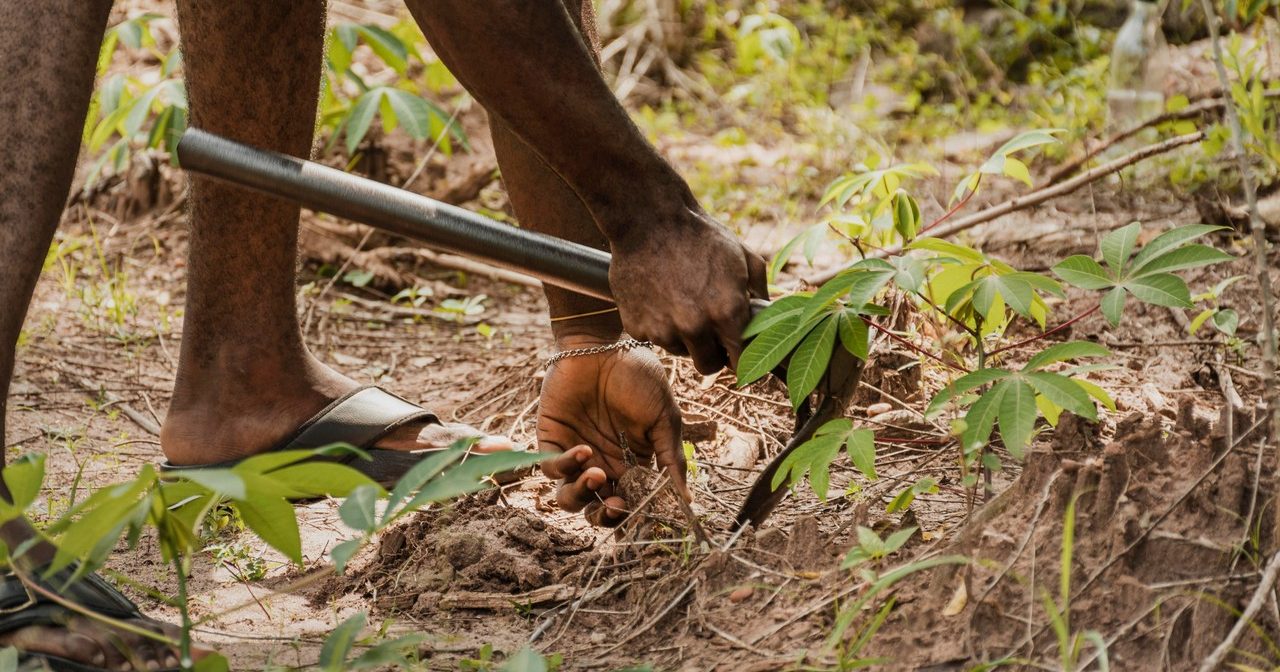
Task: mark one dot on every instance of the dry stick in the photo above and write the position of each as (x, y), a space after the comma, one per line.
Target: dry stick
(1189, 112)
(147, 424)
(1036, 197)
(653, 621)
(1257, 228)
(1214, 661)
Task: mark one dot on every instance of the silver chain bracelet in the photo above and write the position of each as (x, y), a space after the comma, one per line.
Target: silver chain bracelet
(624, 344)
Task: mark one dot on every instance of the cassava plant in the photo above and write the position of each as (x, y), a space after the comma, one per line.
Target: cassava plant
(995, 389)
(178, 505)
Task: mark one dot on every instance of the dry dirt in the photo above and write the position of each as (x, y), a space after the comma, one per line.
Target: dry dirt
(1161, 489)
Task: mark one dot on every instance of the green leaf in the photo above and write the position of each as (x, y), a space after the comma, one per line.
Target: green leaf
(1062, 352)
(1113, 305)
(388, 653)
(271, 517)
(1200, 319)
(948, 249)
(856, 285)
(810, 360)
(1017, 416)
(221, 481)
(965, 383)
(1170, 240)
(1118, 245)
(417, 476)
(1161, 289)
(1018, 171)
(525, 660)
(361, 117)
(897, 539)
(24, 477)
(1191, 256)
(343, 552)
(337, 646)
(778, 311)
(324, 478)
(768, 349)
(906, 215)
(1064, 392)
(359, 510)
(1083, 272)
(854, 334)
(213, 662)
(1226, 320)
(861, 446)
(412, 111)
(1029, 139)
(387, 46)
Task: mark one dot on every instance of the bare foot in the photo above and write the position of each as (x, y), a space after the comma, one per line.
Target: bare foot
(243, 410)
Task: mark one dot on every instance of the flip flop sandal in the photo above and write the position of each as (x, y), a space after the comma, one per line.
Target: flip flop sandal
(360, 418)
(21, 607)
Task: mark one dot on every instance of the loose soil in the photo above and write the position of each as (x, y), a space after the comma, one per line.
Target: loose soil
(1160, 489)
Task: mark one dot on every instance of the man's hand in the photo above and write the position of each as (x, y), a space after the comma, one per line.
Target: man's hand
(605, 413)
(685, 282)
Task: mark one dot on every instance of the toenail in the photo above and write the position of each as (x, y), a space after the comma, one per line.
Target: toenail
(171, 660)
(153, 664)
(126, 667)
(99, 659)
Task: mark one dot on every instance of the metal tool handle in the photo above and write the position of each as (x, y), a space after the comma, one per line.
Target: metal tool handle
(451, 229)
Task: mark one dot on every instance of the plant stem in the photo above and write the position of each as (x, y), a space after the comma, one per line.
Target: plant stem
(911, 346)
(1257, 229)
(1054, 330)
(954, 209)
(184, 641)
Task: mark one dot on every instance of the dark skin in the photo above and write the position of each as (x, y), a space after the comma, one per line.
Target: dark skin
(245, 378)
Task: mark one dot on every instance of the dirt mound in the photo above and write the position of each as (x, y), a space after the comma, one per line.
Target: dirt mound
(1156, 563)
(477, 554)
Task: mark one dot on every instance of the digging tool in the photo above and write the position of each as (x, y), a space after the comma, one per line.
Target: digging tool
(452, 229)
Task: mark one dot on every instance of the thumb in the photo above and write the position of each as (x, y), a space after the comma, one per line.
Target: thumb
(669, 451)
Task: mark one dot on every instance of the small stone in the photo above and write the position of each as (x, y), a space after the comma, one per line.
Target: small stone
(741, 594)
(878, 408)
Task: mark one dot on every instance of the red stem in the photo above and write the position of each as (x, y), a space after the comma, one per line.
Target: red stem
(911, 346)
(1054, 330)
(954, 209)
(929, 442)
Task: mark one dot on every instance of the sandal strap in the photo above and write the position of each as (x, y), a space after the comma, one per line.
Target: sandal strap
(360, 418)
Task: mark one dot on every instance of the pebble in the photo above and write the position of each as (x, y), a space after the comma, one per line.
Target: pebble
(741, 594)
(878, 408)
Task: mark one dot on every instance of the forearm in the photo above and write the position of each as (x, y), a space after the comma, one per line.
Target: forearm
(525, 61)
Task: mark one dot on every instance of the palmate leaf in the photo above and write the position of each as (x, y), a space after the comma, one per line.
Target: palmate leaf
(1170, 240)
(1118, 245)
(809, 362)
(816, 452)
(1083, 272)
(768, 349)
(412, 112)
(854, 334)
(786, 307)
(1162, 289)
(1181, 259)
(361, 117)
(861, 446)
(965, 383)
(1113, 305)
(1063, 392)
(981, 418)
(1017, 416)
(857, 286)
(1061, 352)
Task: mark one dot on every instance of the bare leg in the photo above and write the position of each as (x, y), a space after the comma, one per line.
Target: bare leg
(42, 107)
(245, 378)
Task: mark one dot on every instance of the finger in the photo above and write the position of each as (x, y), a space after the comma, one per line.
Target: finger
(757, 275)
(576, 494)
(569, 464)
(729, 330)
(708, 356)
(669, 451)
(607, 513)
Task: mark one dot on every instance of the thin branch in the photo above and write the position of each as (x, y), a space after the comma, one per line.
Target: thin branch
(1037, 197)
(1214, 661)
(911, 346)
(1052, 331)
(1257, 229)
(1189, 112)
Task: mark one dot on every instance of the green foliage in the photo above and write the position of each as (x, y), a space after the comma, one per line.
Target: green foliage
(1148, 274)
(135, 112)
(349, 103)
(814, 457)
(337, 653)
(871, 547)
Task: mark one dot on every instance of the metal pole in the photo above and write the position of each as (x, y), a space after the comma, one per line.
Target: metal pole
(448, 228)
